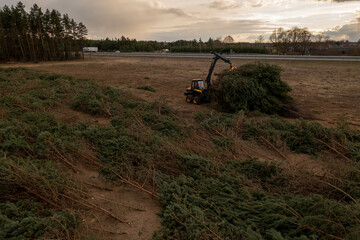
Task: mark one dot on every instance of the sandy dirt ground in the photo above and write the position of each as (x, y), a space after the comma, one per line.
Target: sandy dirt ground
(136, 211)
(330, 90)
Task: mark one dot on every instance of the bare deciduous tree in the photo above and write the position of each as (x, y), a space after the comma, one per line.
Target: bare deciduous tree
(295, 39)
(260, 39)
(228, 39)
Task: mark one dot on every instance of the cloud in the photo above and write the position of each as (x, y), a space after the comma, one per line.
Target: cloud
(214, 28)
(166, 10)
(224, 4)
(113, 18)
(338, 1)
(188, 19)
(349, 31)
(176, 11)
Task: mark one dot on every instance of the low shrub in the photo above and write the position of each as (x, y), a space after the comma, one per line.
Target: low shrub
(44, 213)
(223, 143)
(163, 124)
(33, 178)
(29, 220)
(234, 171)
(147, 88)
(120, 150)
(303, 137)
(93, 99)
(213, 120)
(214, 202)
(31, 135)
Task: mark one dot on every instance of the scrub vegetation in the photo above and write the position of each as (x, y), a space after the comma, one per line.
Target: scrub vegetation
(147, 88)
(206, 188)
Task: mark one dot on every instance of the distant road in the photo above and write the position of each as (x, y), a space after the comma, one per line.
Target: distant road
(232, 56)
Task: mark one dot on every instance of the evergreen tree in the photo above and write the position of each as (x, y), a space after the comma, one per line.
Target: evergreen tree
(37, 36)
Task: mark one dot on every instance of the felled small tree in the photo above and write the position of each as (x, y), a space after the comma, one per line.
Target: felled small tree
(251, 87)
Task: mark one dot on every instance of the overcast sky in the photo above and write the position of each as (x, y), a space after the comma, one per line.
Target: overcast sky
(193, 19)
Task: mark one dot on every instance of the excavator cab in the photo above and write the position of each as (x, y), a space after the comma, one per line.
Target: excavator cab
(197, 84)
(198, 92)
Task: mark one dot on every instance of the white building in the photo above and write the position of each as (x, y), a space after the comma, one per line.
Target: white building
(90, 49)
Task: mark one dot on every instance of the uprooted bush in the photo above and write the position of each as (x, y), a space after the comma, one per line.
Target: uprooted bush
(213, 120)
(251, 87)
(37, 135)
(309, 138)
(147, 88)
(215, 202)
(93, 99)
(28, 220)
(33, 199)
(32, 139)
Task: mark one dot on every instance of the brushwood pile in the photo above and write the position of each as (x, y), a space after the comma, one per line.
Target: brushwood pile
(255, 86)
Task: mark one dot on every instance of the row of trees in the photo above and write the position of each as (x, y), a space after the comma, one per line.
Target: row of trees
(299, 40)
(125, 44)
(302, 41)
(38, 35)
(227, 44)
(293, 41)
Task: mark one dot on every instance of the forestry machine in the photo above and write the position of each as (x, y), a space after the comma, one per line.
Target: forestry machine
(198, 92)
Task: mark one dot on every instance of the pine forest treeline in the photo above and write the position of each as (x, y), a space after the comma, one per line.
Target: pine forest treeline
(39, 35)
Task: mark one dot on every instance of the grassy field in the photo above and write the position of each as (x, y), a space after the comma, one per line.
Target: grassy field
(328, 89)
(107, 148)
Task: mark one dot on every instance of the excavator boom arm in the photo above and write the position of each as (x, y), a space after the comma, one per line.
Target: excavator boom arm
(212, 67)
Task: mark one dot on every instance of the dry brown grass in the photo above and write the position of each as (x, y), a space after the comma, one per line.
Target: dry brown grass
(327, 89)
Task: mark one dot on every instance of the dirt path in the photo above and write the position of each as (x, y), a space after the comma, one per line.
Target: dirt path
(136, 209)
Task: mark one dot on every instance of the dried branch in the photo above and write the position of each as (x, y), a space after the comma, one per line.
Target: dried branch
(335, 150)
(61, 157)
(273, 147)
(93, 206)
(107, 231)
(131, 183)
(340, 190)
